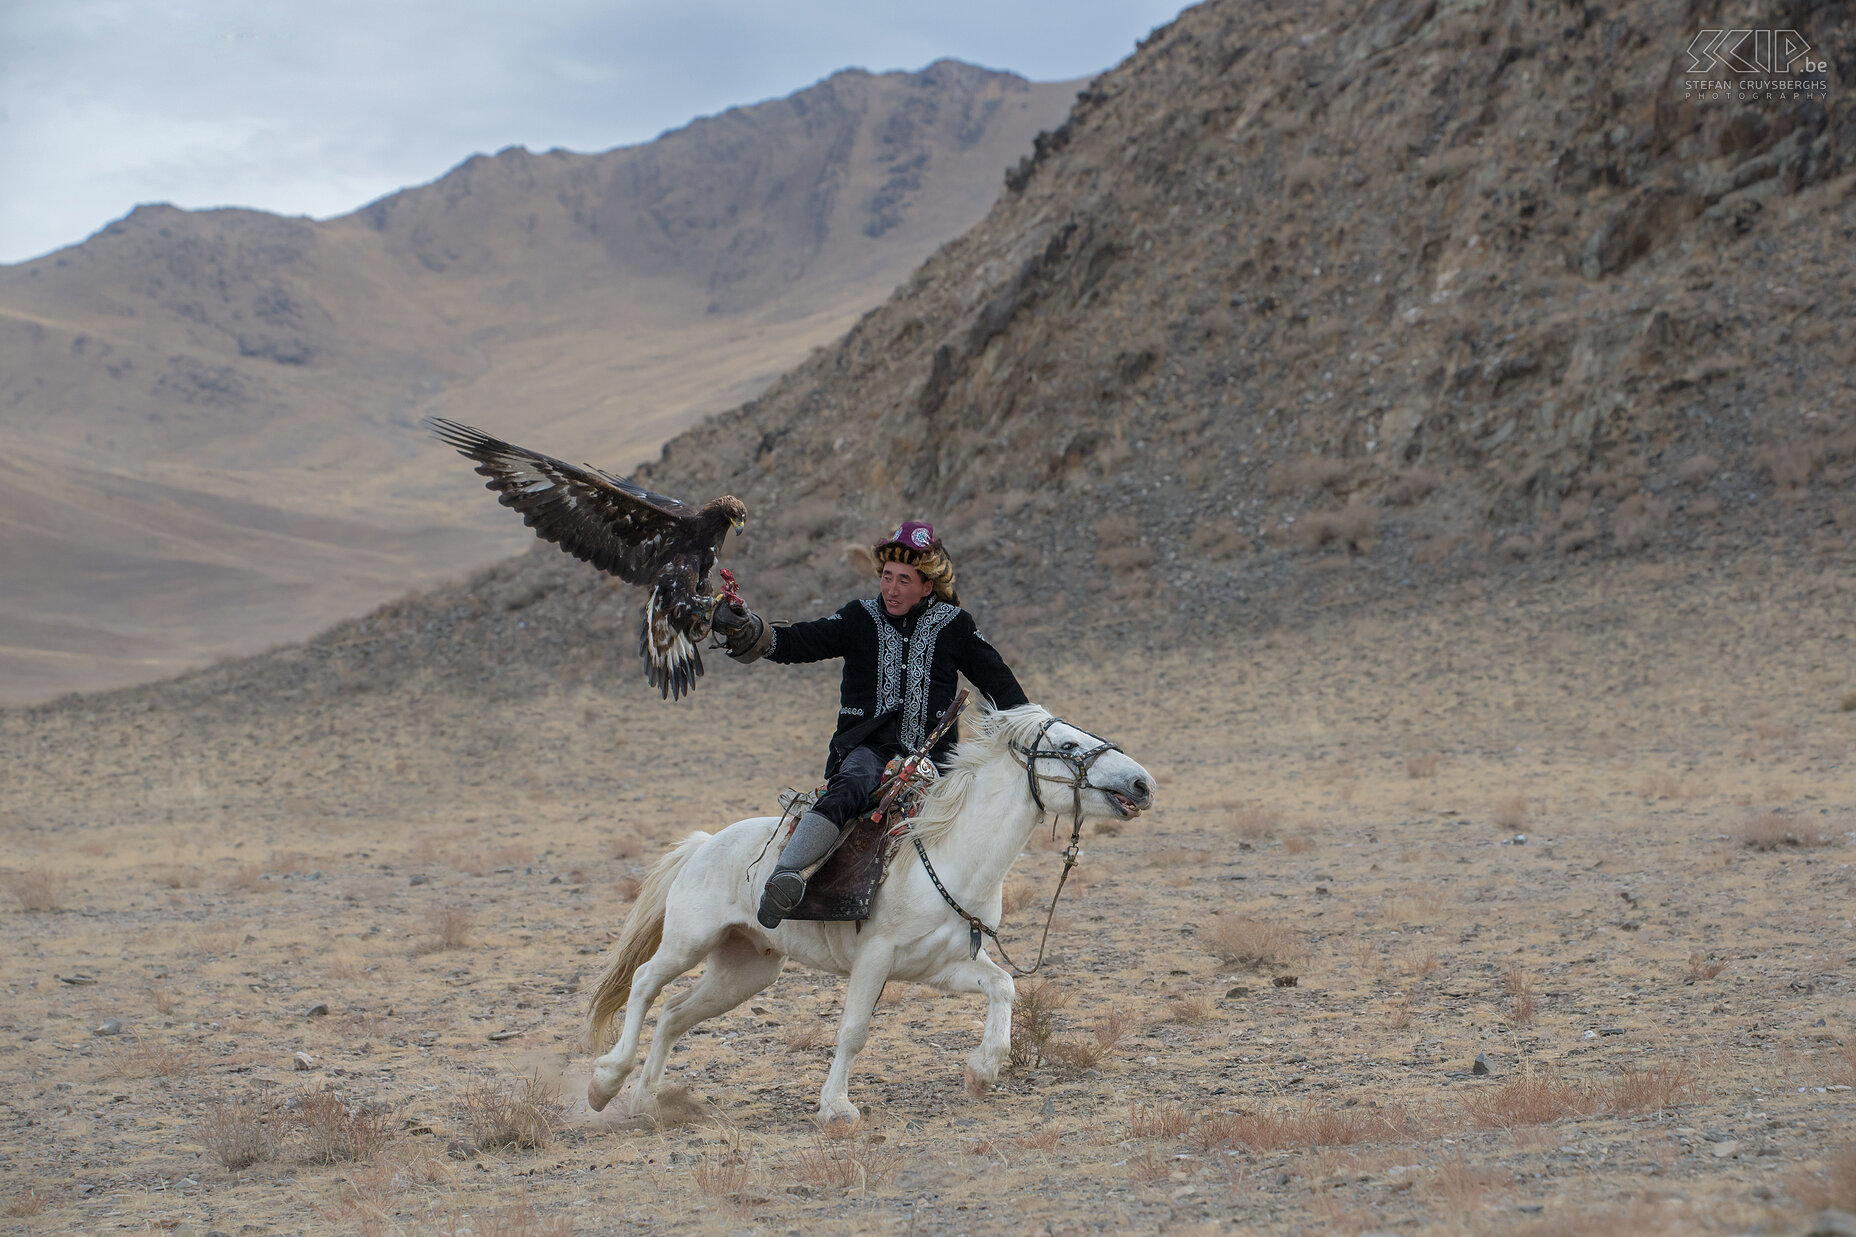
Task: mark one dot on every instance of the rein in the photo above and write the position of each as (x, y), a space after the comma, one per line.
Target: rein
(1079, 764)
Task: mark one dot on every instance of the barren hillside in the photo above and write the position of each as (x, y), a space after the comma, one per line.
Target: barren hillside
(214, 412)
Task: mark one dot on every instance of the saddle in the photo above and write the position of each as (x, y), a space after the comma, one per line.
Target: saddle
(843, 884)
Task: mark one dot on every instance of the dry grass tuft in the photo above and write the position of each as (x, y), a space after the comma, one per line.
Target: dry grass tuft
(1848, 703)
(628, 888)
(243, 1132)
(1462, 1187)
(1147, 1168)
(1522, 1008)
(1254, 821)
(1422, 764)
(1510, 812)
(849, 1164)
(1306, 1126)
(1843, 1065)
(1300, 844)
(1017, 895)
(725, 1176)
(1833, 1184)
(1773, 830)
(1241, 941)
(1417, 961)
(1310, 474)
(1516, 981)
(1668, 1084)
(1350, 528)
(333, 1132)
(1036, 1021)
(1697, 469)
(1531, 1098)
(1192, 1008)
(451, 925)
(810, 1037)
(1700, 967)
(28, 1202)
(1411, 487)
(1158, 1120)
(38, 891)
(524, 1111)
(143, 1058)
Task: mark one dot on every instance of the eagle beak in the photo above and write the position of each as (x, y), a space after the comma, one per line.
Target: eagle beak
(739, 524)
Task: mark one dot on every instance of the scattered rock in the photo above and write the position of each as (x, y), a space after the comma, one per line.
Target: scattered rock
(1611, 1030)
(420, 880)
(1831, 1222)
(1481, 1066)
(1520, 839)
(1234, 993)
(1284, 981)
(497, 1037)
(109, 1026)
(319, 1010)
(302, 1061)
(77, 980)
(1050, 1108)
(1722, 1150)
(460, 1149)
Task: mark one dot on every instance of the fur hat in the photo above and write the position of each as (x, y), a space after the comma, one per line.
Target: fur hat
(915, 545)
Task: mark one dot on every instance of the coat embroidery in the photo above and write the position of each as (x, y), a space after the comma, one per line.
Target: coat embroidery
(890, 655)
(921, 662)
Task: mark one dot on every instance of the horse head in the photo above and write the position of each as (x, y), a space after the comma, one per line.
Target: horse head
(1067, 768)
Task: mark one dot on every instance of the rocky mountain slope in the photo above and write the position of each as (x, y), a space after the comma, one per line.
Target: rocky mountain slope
(213, 414)
(1302, 308)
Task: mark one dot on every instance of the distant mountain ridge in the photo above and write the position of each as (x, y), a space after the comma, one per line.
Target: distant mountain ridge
(593, 304)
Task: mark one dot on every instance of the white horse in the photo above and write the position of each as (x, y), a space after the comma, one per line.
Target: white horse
(699, 901)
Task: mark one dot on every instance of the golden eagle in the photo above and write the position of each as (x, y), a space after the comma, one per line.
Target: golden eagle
(638, 536)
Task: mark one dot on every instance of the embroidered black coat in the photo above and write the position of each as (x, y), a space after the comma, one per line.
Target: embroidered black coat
(899, 673)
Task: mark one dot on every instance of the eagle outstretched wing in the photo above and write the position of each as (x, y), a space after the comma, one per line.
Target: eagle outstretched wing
(622, 528)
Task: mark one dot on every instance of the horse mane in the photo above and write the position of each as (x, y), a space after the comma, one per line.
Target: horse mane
(994, 733)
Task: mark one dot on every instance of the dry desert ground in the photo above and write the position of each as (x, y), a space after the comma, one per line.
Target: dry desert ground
(1593, 826)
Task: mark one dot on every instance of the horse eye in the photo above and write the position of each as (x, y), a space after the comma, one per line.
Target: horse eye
(1069, 745)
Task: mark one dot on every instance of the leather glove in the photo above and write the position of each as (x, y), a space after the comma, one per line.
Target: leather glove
(742, 632)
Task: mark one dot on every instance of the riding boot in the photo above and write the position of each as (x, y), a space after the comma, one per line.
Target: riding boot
(812, 838)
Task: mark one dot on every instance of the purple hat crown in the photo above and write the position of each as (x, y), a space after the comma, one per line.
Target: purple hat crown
(918, 534)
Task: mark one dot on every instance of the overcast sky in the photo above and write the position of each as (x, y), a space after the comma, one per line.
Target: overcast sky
(319, 108)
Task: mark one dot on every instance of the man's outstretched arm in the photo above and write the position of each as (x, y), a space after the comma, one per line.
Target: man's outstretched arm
(748, 637)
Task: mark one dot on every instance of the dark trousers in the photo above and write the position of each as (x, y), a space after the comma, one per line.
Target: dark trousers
(847, 792)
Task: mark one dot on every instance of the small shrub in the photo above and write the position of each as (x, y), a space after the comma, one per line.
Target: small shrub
(1848, 703)
(1637, 522)
(1510, 812)
(333, 1132)
(1518, 548)
(1016, 895)
(1843, 1065)
(1409, 488)
(521, 1112)
(1462, 1188)
(1308, 475)
(1522, 1008)
(1697, 469)
(1423, 764)
(1191, 1009)
(849, 1164)
(1126, 559)
(28, 1202)
(1516, 981)
(1034, 1020)
(451, 925)
(1350, 528)
(1241, 941)
(242, 1132)
(723, 1177)
(1773, 830)
(1158, 1120)
(37, 891)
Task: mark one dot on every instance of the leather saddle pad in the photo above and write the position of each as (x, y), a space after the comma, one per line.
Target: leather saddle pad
(845, 884)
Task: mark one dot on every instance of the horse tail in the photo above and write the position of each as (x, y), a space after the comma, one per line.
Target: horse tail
(638, 939)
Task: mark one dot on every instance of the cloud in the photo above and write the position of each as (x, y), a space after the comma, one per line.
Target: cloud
(316, 109)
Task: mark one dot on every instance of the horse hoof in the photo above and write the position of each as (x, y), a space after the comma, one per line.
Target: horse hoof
(838, 1124)
(976, 1086)
(595, 1098)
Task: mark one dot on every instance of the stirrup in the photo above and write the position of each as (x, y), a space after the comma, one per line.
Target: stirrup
(784, 890)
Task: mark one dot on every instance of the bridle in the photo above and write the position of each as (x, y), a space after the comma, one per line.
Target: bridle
(1079, 764)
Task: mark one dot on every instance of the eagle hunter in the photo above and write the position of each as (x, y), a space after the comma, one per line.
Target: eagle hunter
(624, 529)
